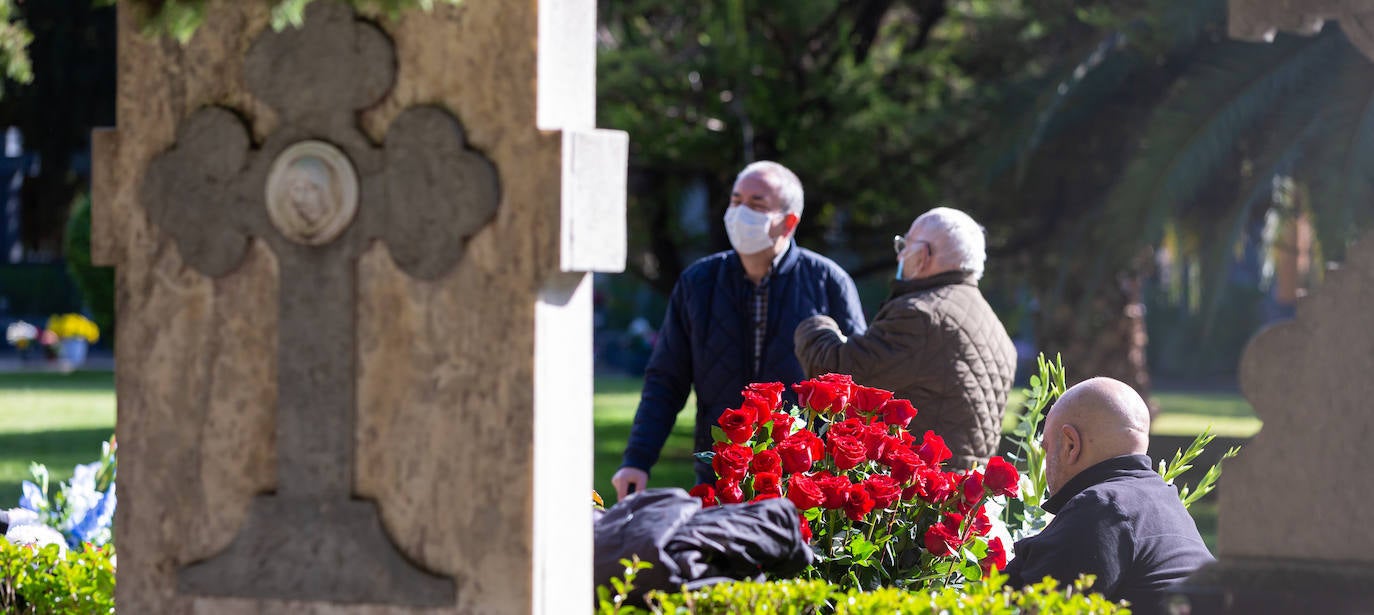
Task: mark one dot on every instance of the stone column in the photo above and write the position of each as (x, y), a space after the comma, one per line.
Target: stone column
(376, 403)
(1294, 513)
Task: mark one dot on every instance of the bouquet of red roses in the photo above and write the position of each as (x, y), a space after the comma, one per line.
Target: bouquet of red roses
(876, 504)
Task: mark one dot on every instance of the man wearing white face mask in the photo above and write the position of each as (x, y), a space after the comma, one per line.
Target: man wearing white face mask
(935, 341)
(731, 316)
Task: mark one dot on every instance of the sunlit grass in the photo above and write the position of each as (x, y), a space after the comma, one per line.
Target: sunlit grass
(55, 419)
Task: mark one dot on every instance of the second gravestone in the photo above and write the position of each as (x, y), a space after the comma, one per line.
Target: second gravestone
(354, 337)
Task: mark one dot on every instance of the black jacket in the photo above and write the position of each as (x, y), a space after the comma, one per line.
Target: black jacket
(1120, 521)
(706, 343)
(691, 546)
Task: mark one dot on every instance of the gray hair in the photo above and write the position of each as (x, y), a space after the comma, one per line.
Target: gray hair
(963, 246)
(789, 187)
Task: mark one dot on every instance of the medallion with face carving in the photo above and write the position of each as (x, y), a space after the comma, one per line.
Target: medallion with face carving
(312, 192)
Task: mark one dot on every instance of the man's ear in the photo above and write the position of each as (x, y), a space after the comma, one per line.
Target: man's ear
(789, 223)
(1071, 442)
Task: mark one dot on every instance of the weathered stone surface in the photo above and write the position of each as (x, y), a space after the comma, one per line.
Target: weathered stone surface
(448, 389)
(1257, 20)
(1294, 515)
(1296, 491)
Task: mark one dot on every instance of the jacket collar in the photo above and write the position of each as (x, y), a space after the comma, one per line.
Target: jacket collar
(902, 287)
(786, 264)
(1111, 468)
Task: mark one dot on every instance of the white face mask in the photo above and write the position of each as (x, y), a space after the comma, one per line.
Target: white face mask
(748, 229)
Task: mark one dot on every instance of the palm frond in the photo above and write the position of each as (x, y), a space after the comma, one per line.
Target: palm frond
(1222, 95)
(1341, 169)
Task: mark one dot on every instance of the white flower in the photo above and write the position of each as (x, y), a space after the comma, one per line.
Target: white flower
(38, 535)
(20, 331)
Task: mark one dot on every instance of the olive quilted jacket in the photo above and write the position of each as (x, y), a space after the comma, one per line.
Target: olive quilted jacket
(936, 342)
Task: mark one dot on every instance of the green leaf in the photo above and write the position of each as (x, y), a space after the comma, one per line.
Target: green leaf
(718, 434)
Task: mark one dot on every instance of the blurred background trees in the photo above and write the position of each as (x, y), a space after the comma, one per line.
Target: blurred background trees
(1123, 154)
(1153, 191)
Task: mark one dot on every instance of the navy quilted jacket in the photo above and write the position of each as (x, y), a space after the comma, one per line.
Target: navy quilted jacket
(705, 342)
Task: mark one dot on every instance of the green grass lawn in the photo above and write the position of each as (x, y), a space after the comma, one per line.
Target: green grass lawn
(54, 419)
(61, 419)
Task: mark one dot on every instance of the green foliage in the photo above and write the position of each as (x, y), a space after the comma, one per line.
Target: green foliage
(1024, 517)
(608, 604)
(180, 18)
(96, 283)
(1182, 462)
(990, 597)
(14, 44)
(44, 582)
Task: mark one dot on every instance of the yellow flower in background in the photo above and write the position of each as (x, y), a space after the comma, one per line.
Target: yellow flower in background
(73, 325)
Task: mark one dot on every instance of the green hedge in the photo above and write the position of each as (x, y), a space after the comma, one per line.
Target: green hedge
(45, 582)
(797, 597)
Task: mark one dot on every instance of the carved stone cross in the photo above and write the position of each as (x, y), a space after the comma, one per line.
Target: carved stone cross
(317, 192)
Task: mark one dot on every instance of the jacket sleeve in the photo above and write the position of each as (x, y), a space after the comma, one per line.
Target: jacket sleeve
(844, 305)
(667, 381)
(892, 342)
(1089, 542)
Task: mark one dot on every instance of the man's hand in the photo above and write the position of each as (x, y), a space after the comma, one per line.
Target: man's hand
(629, 480)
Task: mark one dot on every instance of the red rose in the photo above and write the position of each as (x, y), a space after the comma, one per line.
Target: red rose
(731, 460)
(981, 524)
(737, 424)
(765, 496)
(996, 557)
(867, 400)
(766, 460)
(757, 406)
(805, 492)
(849, 428)
(972, 486)
(728, 491)
(795, 454)
(848, 452)
(858, 504)
(767, 483)
(835, 488)
(940, 485)
(941, 541)
(770, 392)
(933, 449)
(823, 396)
(782, 425)
(875, 440)
(806, 531)
(912, 492)
(705, 493)
(898, 412)
(904, 463)
(1001, 477)
(813, 442)
(883, 489)
(906, 438)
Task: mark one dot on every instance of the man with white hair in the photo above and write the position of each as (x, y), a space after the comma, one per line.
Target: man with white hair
(1115, 518)
(935, 341)
(730, 318)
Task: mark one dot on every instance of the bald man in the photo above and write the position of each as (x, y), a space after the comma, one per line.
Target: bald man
(1114, 516)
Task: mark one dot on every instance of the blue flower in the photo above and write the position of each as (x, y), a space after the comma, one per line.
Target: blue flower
(94, 525)
(33, 498)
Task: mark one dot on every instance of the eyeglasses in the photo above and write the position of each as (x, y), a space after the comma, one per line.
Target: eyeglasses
(899, 244)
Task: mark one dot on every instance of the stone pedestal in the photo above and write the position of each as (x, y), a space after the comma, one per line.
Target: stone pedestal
(354, 318)
(1294, 514)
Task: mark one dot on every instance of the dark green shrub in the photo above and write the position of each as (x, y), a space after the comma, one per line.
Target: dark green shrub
(96, 283)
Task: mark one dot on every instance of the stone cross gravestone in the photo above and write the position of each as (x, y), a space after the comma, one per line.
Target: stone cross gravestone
(351, 273)
(1294, 513)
